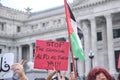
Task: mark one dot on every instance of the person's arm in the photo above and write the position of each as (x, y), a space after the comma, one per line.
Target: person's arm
(50, 75)
(23, 77)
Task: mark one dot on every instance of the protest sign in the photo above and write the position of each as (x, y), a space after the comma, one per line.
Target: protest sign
(51, 55)
(6, 60)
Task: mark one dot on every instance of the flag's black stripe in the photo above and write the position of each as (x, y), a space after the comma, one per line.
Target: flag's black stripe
(71, 14)
(79, 32)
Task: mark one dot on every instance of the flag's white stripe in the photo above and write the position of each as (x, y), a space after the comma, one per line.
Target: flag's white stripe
(74, 25)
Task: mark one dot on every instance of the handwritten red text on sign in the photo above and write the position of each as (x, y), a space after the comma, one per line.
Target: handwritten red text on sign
(51, 55)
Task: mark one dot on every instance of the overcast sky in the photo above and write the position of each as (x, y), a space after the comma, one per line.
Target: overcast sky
(36, 5)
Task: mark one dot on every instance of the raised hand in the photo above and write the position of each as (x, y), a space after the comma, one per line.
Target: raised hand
(72, 76)
(19, 69)
(62, 76)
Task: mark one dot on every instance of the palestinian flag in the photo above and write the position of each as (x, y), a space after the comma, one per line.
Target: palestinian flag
(75, 34)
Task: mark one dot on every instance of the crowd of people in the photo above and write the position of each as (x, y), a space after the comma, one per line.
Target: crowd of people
(96, 73)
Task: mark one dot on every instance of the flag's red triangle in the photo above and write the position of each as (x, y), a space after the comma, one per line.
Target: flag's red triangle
(68, 18)
(119, 61)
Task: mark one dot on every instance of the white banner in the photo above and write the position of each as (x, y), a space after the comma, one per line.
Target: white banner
(6, 61)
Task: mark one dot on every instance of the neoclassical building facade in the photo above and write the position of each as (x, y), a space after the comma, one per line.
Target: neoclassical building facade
(98, 19)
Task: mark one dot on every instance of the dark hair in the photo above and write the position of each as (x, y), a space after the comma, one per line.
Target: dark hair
(56, 78)
(95, 71)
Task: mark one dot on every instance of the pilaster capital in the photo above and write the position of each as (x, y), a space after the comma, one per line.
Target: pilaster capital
(107, 15)
(18, 46)
(85, 24)
(92, 18)
(30, 44)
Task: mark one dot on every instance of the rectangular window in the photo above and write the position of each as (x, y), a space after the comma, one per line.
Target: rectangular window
(33, 52)
(18, 28)
(0, 51)
(2, 27)
(32, 27)
(99, 36)
(43, 24)
(116, 33)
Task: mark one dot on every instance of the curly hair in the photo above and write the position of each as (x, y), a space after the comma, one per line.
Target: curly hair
(95, 71)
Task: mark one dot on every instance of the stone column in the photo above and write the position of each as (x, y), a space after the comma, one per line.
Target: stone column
(30, 52)
(110, 43)
(19, 52)
(30, 63)
(15, 53)
(93, 40)
(86, 33)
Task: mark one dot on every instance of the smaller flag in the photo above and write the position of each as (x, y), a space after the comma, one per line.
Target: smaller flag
(119, 62)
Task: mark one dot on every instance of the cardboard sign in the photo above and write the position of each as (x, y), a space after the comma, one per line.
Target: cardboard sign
(6, 60)
(51, 55)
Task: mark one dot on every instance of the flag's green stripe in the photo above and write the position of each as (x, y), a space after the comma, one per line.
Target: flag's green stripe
(76, 49)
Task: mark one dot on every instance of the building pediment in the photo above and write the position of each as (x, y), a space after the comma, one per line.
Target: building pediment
(88, 3)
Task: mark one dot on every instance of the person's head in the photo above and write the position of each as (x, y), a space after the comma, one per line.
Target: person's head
(99, 74)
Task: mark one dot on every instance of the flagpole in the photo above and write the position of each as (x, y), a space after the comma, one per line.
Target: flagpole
(74, 68)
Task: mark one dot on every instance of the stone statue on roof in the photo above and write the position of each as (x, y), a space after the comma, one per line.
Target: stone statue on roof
(28, 9)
